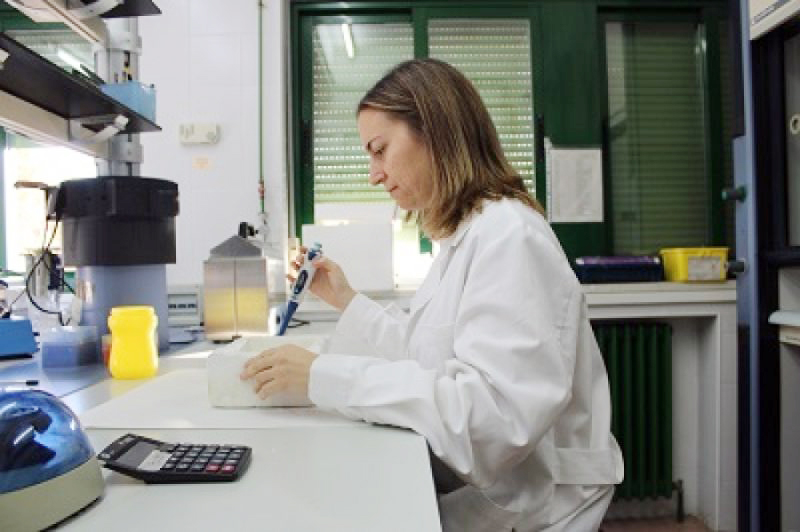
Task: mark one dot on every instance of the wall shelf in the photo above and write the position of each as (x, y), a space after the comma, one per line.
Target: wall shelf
(79, 109)
(133, 8)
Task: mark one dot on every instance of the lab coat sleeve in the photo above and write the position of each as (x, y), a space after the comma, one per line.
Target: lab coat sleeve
(383, 329)
(509, 377)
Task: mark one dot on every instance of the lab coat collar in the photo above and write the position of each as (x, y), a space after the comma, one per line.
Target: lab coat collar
(453, 240)
(446, 248)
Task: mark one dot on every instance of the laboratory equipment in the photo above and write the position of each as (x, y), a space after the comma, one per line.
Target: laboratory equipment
(158, 462)
(48, 470)
(134, 353)
(299, 287)
(16, 338)
(224, 366)
(235, 291)
(120, 233)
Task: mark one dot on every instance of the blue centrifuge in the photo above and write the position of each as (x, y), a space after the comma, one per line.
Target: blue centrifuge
(48, 469)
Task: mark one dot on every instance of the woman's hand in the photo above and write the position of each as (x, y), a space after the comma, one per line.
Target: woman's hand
(283, 369)
(329, 282)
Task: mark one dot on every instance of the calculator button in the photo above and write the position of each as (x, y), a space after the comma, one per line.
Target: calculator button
(228, 468)
(212, 468)
(225, 449)
(198, 467)
(212, 448)
(240, 448)
(231, 462)
(168, 466)
(182, 467)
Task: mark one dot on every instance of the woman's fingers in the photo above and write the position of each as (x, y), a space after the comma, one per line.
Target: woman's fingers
(269, 388)
(260, 362)
(284, 368)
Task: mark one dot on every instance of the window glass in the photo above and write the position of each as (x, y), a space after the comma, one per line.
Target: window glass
(347, 60)
(657, 131)
(495, 54)
(27, 162)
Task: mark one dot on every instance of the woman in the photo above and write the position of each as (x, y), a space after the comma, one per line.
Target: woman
(495, 364)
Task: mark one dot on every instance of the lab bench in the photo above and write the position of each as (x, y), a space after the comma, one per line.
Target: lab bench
(315, 472)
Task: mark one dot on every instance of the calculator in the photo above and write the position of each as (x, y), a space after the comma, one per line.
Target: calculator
(158, 462)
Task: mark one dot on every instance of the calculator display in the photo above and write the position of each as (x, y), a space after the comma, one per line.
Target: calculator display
(136, 454)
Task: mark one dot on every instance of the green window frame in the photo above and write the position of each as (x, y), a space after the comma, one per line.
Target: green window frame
(418, 14)
(569, 90)
(715, 115)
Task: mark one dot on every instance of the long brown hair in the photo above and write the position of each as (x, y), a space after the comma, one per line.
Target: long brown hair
(444, 110)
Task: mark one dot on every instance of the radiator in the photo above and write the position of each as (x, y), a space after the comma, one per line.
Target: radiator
(638, 357)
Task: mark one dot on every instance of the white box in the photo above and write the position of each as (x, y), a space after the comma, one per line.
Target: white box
(224, 365)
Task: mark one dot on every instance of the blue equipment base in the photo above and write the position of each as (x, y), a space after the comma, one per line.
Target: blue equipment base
(16, 338)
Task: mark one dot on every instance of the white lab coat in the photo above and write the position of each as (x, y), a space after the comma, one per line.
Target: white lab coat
(497, 367)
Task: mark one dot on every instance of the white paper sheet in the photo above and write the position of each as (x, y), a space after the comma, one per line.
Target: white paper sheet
(179, 400)
(224, 365)
(574, 184)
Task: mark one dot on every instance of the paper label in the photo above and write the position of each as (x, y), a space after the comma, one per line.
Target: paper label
(704, 269)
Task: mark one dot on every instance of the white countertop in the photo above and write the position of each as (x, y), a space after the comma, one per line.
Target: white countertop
(301, 479)
(314, 474)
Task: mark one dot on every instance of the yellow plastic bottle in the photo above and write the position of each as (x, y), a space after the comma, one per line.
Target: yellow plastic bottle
(134, 351)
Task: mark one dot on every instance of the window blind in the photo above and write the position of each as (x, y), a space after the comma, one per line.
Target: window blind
(659, 187)
(495, 54)
(339, 81)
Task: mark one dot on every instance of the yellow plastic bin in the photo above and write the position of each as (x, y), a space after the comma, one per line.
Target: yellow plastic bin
(695, 264)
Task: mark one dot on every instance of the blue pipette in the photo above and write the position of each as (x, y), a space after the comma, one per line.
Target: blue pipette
(303, 281)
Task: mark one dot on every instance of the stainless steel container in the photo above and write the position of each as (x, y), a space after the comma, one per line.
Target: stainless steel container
(235, 291)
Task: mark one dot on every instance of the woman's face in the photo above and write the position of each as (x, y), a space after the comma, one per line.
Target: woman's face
(397, 159)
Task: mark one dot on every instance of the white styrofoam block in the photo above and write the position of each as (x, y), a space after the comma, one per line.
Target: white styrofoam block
(363, 250)
(224, 365)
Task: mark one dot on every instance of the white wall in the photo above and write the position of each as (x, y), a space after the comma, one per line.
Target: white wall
(202, 56)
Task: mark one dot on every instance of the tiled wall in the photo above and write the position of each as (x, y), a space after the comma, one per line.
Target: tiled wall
(202, 55)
